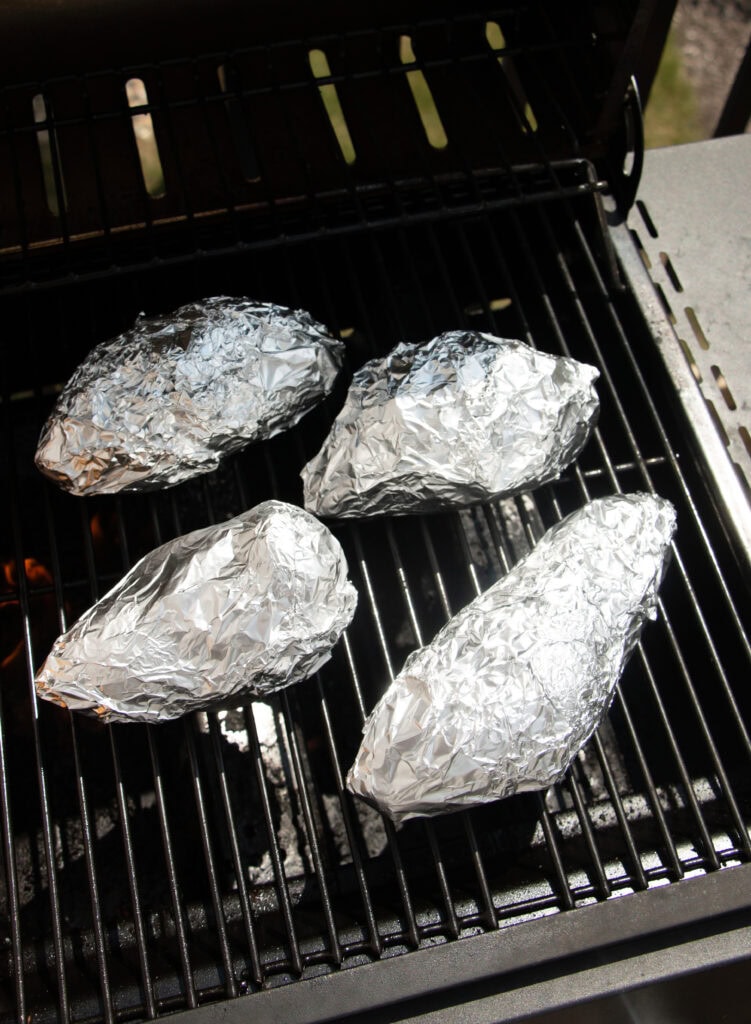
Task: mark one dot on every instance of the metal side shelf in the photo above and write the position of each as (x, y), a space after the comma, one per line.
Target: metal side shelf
(686, 248)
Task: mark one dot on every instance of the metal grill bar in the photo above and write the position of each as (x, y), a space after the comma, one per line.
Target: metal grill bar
(336, 953)
(96, 910)
(654, 800)
(276, 857)
(564, 887)
(174, 888)
(640, 881)
(11, 881)
(362, 883)
(229, 818)
(412, 928)
(221, 928)
(453, 924)
(143, 954)
(41, 769)
(602, 886)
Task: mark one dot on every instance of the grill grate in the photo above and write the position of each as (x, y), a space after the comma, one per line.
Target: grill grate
(148, 869)
(242, 148)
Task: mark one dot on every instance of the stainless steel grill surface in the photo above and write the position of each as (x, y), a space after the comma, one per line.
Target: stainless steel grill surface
(152, 869)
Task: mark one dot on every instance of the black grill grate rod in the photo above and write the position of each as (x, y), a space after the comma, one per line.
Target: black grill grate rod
(453, 924)
(13, 498)
(138, 925)
(230, 982)
(344, 805)
(11, 880)
(229, 818)
(282, 889)
(312, 831)
(178, 914)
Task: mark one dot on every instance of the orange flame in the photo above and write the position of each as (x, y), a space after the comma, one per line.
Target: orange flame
(36, 573)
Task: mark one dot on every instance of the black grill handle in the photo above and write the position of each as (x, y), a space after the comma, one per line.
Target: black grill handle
(632, 162)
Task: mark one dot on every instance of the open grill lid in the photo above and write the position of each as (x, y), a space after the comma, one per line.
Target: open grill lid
(269, 112)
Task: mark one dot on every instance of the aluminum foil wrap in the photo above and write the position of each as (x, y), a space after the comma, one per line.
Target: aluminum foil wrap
(465, 418)
(164, 401)
(514, 685)
(243, 608)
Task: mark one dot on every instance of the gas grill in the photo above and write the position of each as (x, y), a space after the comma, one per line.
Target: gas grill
(397, 178)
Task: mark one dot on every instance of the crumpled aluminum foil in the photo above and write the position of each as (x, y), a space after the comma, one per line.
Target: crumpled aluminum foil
(164, 401)
(243, 608)
(465, 418)
(515, 684)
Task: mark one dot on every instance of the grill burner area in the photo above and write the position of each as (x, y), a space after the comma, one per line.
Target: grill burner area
(151, 868)
(148, 870)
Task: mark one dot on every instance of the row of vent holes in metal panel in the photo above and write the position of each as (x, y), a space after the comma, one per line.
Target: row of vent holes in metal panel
(143, 133)
(698, 330)
(699, 334)
(148, 150)
(435, 133)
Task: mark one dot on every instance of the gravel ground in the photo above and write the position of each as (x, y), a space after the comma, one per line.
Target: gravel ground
(712, 36)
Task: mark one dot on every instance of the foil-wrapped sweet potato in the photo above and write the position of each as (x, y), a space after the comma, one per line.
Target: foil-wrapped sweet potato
(514, 685)
(235, 610)
(166, 400)
(466, 417)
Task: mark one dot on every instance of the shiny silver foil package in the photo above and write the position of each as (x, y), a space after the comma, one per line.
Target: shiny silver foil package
(464, 418)
(513, 686)
(164, 401)
(242, 608)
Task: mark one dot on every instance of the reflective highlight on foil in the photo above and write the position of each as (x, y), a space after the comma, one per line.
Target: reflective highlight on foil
(465, 418)
(243, 608)
(166, 400)
(514, 685)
